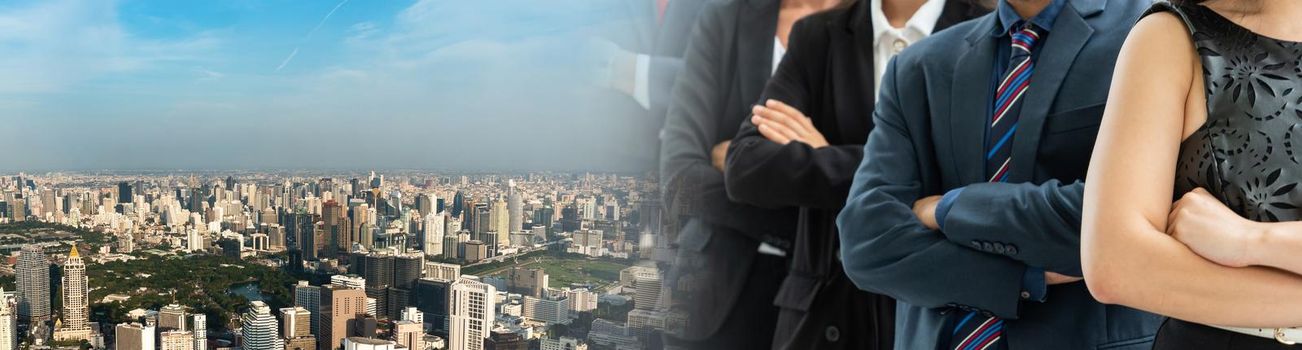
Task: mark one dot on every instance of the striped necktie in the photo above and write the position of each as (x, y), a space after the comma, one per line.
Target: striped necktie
(974, 331)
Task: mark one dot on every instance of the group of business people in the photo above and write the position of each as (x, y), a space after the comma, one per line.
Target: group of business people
(967, 174)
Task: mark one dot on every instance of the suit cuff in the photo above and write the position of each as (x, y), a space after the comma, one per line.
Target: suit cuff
(642, 80)
(946, 202)
(1034, 287)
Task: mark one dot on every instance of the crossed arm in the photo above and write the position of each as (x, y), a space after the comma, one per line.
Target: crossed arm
(1128, 257)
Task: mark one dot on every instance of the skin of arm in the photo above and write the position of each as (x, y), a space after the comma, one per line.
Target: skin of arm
(1209, 228)
(1127, 257)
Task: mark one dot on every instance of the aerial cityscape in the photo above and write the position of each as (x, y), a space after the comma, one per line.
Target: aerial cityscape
(188, 260)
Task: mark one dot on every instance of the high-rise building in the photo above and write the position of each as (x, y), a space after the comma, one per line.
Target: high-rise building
(472, 313)
(363, 343)
(295, 322)
(8, 322)
(431, 297)
(76, 303)
(259, 328)
(338, 305)
(526, 281)
(648, 291)
(124, 192)
(433, 234)
(194, 240)
(176, 340)
(134, 336)
(406, 270)
(33, 282)
(514, 207)
(309, 297)
(171, 318)
(199, 323)
(333, 222)
(409, 334)
(442, 271)
(500, 222)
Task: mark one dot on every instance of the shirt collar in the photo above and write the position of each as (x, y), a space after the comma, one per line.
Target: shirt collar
(923, 21)
(1008, 17)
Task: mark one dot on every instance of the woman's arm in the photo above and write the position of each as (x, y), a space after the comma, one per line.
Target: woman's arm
(1211, 229)
(1126, 255)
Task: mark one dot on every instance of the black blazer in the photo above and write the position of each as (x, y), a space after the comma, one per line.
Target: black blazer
(728, 60)
(828, 73)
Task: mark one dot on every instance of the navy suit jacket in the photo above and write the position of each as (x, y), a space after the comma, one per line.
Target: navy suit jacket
(929, 138)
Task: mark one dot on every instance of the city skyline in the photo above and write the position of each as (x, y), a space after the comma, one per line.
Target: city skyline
(339, 84)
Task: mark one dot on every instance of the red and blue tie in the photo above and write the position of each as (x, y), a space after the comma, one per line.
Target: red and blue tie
(975, 331)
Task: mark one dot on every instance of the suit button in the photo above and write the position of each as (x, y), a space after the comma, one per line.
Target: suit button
(1012, 249)
(832, 334)
(1026, 295)
(999, 248)
(976, 244)
(987, 246)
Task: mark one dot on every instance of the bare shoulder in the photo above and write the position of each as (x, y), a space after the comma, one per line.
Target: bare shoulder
(1161, 47)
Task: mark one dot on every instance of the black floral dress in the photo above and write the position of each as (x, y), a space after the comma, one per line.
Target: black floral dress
(1249, 152)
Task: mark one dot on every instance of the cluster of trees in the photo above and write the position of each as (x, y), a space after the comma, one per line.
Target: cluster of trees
(202, 282)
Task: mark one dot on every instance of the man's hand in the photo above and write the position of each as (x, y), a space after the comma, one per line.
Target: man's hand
(1209, 228)
(1051, 278)
(925, 210)
(719, 154)
(783, 124)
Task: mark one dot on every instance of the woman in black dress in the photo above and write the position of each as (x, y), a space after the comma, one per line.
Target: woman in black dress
(1206, 107)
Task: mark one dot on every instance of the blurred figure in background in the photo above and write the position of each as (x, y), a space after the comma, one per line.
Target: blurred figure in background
(732, 257)
(803, 144)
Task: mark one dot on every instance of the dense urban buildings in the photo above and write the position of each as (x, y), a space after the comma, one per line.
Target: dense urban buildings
(333, 261)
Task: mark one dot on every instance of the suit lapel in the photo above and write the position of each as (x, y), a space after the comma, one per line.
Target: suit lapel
(1069, 35)
(756, 32)
(851, 58)
(970, 103)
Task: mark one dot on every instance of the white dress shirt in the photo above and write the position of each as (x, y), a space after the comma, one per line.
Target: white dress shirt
(889, 41)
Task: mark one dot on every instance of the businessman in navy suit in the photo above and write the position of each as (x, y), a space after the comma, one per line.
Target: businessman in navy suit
(967, 206)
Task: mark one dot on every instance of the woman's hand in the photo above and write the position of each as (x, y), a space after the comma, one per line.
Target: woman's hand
(781, 123)
(1209, 228)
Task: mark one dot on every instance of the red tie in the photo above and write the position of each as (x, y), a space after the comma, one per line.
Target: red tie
(661, 5)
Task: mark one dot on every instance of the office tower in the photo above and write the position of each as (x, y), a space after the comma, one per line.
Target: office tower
(199, 324)
(406, 270)
(295, 322)
(338, 305)
(348, 281)
(442, 271)
(176, 340)
(500, 222)
(425, 204)
(648, 291)
(433, 236)
(411, 313)
(526, 281)
(8, 322)
(363, 343)
(551, 310)
(309, 297)
(503, 339)
(472, 313)
(450, 243)
(134, 336)
(302, 227)
(332, 218)
(409, 334)
(301, 343)
(33, 282)
(360, 217)
(514, 208)
(194, 240)
(476, 251)
(259, 328)
(430, 296)
(171, 318)
(74, 324)
(124, 193)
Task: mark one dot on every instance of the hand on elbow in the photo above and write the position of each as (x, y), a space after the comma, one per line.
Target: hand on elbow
(719, 154)
(782, 124)
(1052, 278)
(1212, 230)
(925, 210)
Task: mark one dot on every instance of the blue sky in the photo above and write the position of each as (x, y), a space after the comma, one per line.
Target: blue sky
(438, 84)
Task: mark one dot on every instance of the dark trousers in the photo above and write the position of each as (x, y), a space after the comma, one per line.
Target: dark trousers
(754, 317)
(1180, 335)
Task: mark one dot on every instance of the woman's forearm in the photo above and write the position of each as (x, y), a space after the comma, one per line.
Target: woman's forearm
(1278, 245)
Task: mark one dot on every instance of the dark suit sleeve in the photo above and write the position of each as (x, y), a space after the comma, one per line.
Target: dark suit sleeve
(689, 134)
(764, 173)
(661, 75)
(884, 248)
(1040, 226)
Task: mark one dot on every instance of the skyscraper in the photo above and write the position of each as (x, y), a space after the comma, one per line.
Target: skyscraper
(124, 192)
(33, 282)
(259, 328)
(8, 322)
(338, 305)
(134, 336)
(409, 334)
(500, 222)
(309, 297)
(472, 313)
(515, 207)
(295, 322)
(176, 340)
(76, 303)
(171, 318)
(199, 322)
(433, 234)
